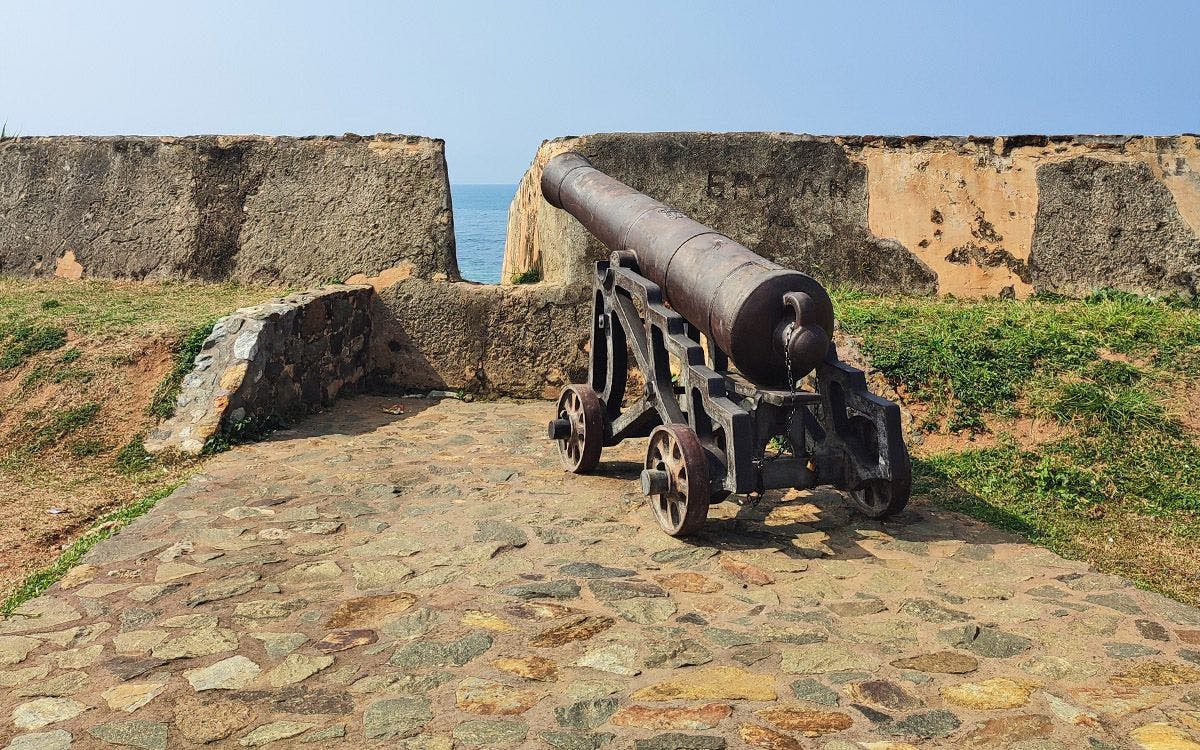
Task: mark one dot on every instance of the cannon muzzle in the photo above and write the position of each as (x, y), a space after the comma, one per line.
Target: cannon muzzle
(775, 323)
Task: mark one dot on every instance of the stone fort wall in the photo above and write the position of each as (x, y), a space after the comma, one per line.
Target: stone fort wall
(971, 217)
(217, 208)
(965, 216)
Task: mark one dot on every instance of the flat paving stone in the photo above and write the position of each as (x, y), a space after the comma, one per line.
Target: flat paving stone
(433, 579)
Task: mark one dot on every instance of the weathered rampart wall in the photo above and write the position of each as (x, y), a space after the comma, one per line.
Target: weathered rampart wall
(527, 340)
(214, 208)
(965, 216)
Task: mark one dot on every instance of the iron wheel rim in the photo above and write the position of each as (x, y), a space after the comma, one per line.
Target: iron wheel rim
(580, 406)
(676, 450)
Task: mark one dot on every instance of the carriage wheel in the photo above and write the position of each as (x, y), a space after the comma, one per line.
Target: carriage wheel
(880, 498)
(676, 479)
(579, 428)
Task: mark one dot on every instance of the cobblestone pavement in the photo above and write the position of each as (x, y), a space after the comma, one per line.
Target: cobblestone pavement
(434, 580)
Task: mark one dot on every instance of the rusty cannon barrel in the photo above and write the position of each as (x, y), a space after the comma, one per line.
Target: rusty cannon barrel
(775, 323)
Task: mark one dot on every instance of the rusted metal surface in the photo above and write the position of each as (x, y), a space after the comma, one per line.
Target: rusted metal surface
(759, 312)
(687, 302)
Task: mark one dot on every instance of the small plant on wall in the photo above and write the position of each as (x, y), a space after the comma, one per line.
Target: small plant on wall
(532, 276)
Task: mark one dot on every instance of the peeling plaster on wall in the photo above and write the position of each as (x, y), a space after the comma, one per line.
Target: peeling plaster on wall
(67, 267)
(1178, 166)
(968, 216)
(388, 277)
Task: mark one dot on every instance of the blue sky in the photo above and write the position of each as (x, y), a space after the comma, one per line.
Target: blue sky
(495, 78)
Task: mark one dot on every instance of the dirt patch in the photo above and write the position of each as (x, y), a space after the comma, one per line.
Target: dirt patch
(1185, 407)
(57, 476)
(1028, 432)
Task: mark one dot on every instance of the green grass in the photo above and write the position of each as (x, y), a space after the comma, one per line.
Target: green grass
(54, 373)
(248, 430)
(132, 457)
(969, 358)
(1052, 359)
(88, 447)
(162, 403)
(36, 583)
(58, 371)
(43, 431)
(98, 309)
(531, 276)
(1107, 373)
(23, 339)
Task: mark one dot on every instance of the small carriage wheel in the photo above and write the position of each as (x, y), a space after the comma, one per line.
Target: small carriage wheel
(580, 450)
(677, 479)
(880, 498)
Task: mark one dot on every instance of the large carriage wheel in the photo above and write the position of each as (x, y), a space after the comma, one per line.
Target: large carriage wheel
(579, 428)
(676, 479)
(880, 498)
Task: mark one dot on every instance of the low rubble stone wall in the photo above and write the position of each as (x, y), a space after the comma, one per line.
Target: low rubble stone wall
(272, 362)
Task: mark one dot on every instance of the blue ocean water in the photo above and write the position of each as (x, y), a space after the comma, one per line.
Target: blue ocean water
(480, 224)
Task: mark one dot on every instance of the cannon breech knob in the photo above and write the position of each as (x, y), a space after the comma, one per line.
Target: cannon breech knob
(803, 341)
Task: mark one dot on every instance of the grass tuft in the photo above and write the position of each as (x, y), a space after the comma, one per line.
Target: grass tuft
(248, 430)
(88, 447)
(23, 340)
(162, 403)
(531, 276)
(36, 583)
(132, 457)
(59, 425)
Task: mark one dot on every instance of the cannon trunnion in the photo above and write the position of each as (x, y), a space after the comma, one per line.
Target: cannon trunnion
(722, 338)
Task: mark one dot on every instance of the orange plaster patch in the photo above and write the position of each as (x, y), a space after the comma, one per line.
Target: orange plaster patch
(386, 278)
(67, 267)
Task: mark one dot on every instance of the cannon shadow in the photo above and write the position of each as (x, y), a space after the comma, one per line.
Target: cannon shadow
(768, 525)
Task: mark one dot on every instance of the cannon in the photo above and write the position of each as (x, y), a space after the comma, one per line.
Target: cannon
(742, 389)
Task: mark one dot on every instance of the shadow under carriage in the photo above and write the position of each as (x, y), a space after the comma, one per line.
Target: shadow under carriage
(843, 526)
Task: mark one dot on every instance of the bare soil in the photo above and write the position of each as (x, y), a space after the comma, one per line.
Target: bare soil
(56, 478)
(49, 497)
